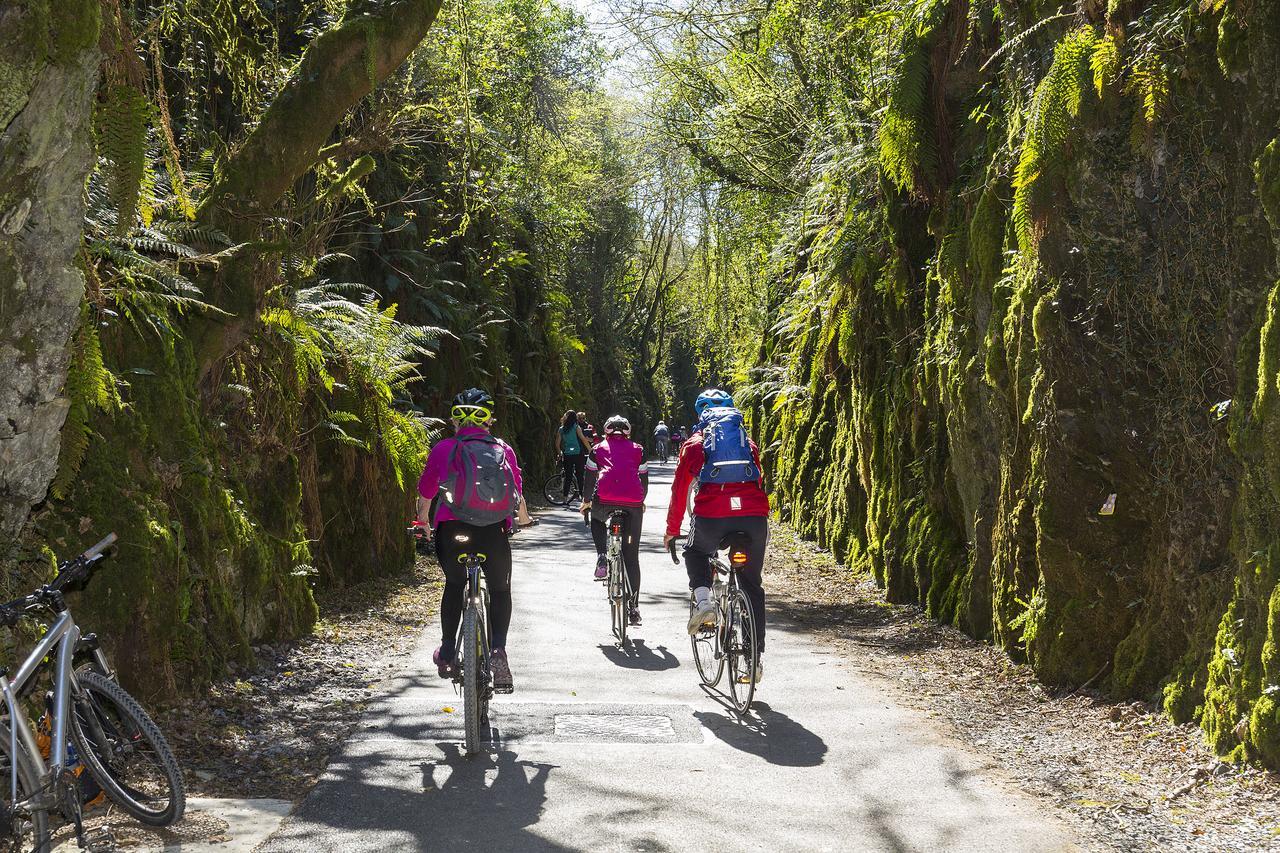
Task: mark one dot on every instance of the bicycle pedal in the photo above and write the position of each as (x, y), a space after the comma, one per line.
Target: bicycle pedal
(504, 690)
(101, 840)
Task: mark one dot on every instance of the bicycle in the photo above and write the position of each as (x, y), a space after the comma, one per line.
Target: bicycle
(664, 450)
(619, 582)
(473, 679)
(92, 721)
(553, 491)
(731, 640)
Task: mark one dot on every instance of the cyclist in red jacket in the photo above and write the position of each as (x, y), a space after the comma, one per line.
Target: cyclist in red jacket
(719, 509)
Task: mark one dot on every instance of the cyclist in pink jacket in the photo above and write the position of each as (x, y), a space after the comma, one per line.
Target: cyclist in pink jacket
(617, 478)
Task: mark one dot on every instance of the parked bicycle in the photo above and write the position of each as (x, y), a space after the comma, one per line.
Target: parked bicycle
(91, 720)
(730, 641)
(618, 582)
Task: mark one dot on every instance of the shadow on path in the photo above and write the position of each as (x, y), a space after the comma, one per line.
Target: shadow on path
(769, 734)
(639, 656)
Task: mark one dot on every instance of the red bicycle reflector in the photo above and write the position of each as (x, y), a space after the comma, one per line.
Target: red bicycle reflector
(738, 558)
(616, 528)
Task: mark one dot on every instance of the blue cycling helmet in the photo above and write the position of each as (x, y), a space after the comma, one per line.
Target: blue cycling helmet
(712, 398)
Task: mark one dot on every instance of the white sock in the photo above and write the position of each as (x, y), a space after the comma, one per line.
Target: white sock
(701, 594)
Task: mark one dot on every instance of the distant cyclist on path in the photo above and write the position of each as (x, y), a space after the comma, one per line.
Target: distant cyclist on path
(618, 479)
(477, 479)
(662, 438)
(730, 499)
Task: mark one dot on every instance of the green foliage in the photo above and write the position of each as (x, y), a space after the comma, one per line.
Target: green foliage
(1051, 122)
(91, 387)
(1105, 61)
(908, 151)
(122, 119)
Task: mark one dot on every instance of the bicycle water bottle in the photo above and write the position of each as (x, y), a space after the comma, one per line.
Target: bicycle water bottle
(717, 589)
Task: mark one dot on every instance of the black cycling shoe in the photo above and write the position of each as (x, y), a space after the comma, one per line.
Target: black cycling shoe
(501, 670)
(633, 616)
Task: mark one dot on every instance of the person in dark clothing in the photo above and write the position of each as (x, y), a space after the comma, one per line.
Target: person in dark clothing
(573, 445)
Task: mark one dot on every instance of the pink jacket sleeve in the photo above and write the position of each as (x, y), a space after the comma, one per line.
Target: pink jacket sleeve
(436, 469)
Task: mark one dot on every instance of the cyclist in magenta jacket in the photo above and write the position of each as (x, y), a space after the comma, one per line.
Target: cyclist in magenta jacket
(617, 478)
(471, 415)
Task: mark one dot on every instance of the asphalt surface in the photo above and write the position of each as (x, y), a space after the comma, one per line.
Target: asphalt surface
(602, 750)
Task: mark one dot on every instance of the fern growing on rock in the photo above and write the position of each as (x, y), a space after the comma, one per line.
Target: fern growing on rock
(122, 119)
(1054, 110)
(907, 147)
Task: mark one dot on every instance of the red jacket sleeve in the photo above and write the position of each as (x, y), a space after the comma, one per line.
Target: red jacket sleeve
(687, 469)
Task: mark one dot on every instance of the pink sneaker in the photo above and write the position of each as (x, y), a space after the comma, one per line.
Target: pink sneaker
(446, 669)
(602, 568)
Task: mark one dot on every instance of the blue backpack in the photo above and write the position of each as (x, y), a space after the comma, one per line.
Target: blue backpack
(725, 448)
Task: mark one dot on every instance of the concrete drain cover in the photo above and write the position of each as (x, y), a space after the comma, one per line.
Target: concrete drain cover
(604, 722)
(614, 727)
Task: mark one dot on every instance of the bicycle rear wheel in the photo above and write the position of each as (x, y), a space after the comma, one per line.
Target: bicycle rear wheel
(471, 672)
(706, 656)
(740, 649)
(19, 832)
(125, 751)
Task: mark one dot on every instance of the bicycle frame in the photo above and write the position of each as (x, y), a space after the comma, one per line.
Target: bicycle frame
(475, 597)
(63, 634)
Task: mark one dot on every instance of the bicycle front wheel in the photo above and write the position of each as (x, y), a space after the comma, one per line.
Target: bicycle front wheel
(740, 649)
(27, 832)
(471, 670)
(553, 491)
(125, 752)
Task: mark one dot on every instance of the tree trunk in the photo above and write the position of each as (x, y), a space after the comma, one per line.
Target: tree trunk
(48, 72)
(339, 68)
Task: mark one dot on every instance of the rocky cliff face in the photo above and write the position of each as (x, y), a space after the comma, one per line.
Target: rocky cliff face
(48, 71)
(1040, 400)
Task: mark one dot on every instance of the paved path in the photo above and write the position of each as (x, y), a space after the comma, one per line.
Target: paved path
(601, 751)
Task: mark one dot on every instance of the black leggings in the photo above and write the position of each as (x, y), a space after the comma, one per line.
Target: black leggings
(572, 465)
(490, 540)
(705, 535)
(630, 540)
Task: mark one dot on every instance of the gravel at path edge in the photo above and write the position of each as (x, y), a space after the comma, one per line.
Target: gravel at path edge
(1124, 774)
(268, 730)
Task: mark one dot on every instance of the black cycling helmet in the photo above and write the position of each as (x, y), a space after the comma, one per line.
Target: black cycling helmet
(617, 424)
(472, 406)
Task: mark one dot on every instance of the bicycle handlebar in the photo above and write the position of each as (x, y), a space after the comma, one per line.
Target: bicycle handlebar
(50, 594)
(107, 542)
(671, 547)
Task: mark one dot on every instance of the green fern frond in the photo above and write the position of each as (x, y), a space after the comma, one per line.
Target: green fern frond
(907, 146)
(1149, 83)
(1105, 61)
(90, 387)
(1050, 123)
(122, 118)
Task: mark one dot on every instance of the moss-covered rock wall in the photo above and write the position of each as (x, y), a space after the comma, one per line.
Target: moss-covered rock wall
(1040, 395)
